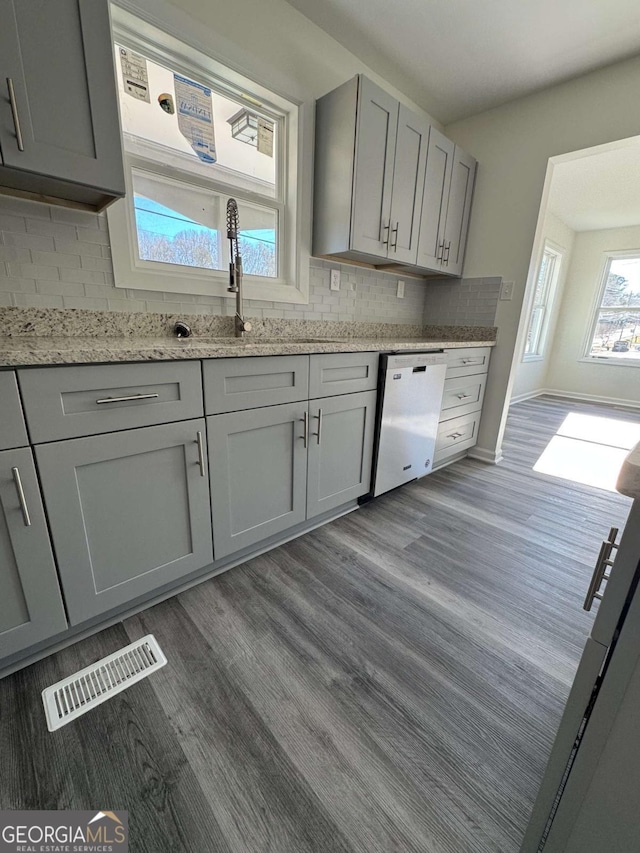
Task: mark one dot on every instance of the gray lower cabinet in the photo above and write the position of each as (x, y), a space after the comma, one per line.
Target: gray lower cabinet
(258, 474)
(31, 607)
(340, 450)
(129, 512)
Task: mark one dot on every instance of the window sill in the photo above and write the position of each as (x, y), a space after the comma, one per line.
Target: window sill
(526, 359)
(611, 361)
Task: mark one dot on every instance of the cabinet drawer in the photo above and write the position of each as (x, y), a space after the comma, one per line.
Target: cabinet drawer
(342, 373)
(12, 429)
(129, 513)
(456, 434)
(233, 384)
(467, 361)
(67, 402)
(463, 395)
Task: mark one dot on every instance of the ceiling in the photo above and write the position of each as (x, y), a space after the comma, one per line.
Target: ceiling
(598, 191)
(456, 58)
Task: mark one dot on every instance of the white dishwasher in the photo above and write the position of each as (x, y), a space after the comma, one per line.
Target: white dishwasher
(411, 388)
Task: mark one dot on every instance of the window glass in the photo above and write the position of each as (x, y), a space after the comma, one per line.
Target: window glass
(542, 302)
(616, 333)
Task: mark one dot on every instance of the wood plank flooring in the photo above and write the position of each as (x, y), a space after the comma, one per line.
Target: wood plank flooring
(389, 682)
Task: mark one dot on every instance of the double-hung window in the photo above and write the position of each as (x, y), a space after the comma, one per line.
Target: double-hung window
(544, 295)
(615, 331)
(196, 134)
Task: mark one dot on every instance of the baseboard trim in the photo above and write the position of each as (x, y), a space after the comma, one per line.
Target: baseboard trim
(570, 395)
(483, 454)
(528, 395)
(592, 398)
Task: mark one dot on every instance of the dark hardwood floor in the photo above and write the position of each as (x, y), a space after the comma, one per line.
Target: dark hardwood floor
(390, 682)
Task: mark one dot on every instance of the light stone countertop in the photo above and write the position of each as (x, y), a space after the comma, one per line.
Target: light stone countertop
(25, 350)
(629, 477)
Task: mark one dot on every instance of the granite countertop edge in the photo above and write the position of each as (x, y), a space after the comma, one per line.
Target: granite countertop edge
(24, 351)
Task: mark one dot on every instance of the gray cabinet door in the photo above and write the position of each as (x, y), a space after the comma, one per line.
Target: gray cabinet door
(258, 474)
(59, 57)
(30, 604)
(458, 211)
(375, 153)
(13, 432)
(340, 450)
(408, 186)
(434, 204)
(129, 512)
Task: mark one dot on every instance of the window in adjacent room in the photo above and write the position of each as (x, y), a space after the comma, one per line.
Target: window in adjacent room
(548, 274)
(615, 332)
(195, 135)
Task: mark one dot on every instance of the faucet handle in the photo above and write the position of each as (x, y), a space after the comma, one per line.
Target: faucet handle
(245, 325)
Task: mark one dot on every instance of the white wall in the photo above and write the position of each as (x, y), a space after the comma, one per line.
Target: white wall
(513, 144)
(566, 372)
(531, 375)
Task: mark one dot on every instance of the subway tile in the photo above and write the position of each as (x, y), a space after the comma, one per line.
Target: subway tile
(34, 271)
(56, 259)
(77, 247)
(89, 262)
(86, 302)
(75, 217)
(51, 229)
(93, 235)
(29, 241)
(15, 254)
(60, 288)
(12, 223)
(37, 300)
(128, 305)
(6, 299)
(22, 207)
(83, 276)
(17, 285)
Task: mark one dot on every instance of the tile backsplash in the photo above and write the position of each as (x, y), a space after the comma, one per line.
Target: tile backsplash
(54, 257)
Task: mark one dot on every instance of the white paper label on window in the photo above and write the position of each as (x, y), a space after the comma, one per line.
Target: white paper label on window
(265, 137)
(134, 75)
(194, 108)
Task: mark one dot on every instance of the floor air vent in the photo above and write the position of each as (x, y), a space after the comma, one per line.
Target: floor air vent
(79, 693)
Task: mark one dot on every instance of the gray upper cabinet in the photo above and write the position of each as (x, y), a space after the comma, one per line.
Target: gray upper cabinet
(258, 474)
(31, 607)
(436, 196)
(340, 450)
(129, 513)
(59, 124)
(12, 429)
(446, 206)
(375, 121)
(369, 173)
(458, 211)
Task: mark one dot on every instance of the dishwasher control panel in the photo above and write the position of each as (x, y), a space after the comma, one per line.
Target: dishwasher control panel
(415, 359)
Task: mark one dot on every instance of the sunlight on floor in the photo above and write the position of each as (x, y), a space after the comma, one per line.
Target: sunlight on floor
(589, 450)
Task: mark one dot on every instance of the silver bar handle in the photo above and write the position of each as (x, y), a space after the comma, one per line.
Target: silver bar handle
(394, 245)
(447, 250)
(14, 113)
(383, 229)
(462, 396)
(21, 497)
(440, 251)
(598, 575)
(455, 435)
(319, 433)
(127, 399)
(305, 435)
(200, 444)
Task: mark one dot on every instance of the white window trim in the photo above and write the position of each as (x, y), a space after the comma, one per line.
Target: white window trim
(559, 252)
(610, 358)
(129, 271)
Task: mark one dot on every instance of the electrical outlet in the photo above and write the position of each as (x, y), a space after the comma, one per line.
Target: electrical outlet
(400, 291)
(335, 279)
(506, 291)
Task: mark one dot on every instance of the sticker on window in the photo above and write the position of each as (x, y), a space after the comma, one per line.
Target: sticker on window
(194, 108)
(265, 137)
(135, 77)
